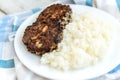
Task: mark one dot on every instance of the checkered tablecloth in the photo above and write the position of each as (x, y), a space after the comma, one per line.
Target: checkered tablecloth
(10, 66)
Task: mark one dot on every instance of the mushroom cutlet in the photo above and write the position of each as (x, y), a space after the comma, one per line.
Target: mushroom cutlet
(47, 31)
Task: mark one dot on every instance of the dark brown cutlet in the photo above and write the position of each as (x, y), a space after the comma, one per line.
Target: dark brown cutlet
(47, 31)
(55, 13)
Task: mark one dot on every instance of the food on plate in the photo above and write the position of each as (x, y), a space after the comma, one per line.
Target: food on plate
(47, 31)
(86, 40)
(68, 40)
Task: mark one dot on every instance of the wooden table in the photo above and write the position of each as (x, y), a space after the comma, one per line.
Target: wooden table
(15, 6)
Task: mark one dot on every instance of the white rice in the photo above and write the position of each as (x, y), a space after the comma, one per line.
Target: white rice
(85, 42)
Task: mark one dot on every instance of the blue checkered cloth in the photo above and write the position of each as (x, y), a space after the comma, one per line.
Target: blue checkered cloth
(8, 26)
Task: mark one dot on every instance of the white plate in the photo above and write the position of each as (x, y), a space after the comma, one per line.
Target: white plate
(32, 61)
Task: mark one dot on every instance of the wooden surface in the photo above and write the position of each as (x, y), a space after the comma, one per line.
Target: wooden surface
(14, 6)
